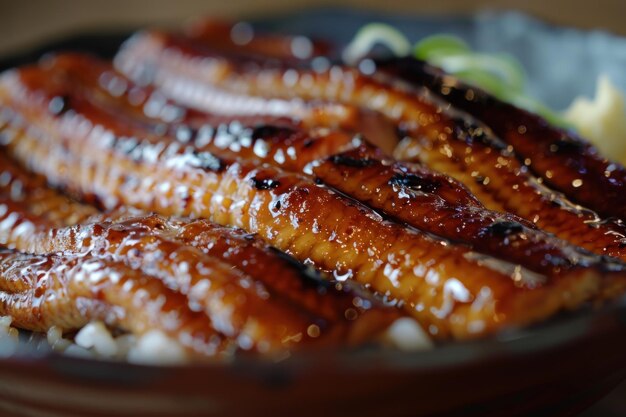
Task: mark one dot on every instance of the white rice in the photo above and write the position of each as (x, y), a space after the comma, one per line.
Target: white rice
(96, 336)
(95, 341)
(406, 334)
(156, 347)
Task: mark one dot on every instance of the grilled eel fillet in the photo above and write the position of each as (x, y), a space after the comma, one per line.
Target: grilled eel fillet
(429, 201)
(564, 161)
(437, 135)
(69, 290)
(452, 291)
(274, 304)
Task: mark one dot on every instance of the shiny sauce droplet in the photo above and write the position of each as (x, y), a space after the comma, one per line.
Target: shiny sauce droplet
(351, 314)
(313, 330)
(58, 105)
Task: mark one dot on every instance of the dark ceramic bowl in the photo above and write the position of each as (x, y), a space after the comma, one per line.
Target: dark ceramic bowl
(557, 368)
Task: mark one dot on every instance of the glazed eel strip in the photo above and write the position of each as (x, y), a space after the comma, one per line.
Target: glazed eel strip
(68, 291)
(437, 136)
(239, 306)
(429, 201)
(291, 144)
(562, 159)
(206, 104)
(452, 291)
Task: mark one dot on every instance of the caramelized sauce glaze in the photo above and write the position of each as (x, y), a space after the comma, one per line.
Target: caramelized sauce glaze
(270, 151)
(438, 135)
(41, 291)
(563, 160)
(431, 202)
(269, 308)
(436, 204)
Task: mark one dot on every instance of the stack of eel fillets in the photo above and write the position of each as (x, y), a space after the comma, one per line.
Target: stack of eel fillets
(246, 196)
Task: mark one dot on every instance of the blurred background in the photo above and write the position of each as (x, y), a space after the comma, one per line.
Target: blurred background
(26, 23)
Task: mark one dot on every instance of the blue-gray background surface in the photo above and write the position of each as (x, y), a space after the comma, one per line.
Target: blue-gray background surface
(561, 63)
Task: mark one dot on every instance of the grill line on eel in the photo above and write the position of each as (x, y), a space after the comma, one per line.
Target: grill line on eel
(451, 290)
